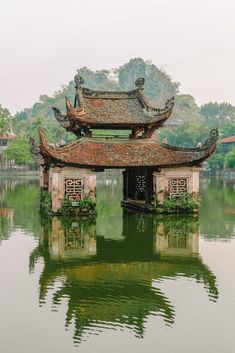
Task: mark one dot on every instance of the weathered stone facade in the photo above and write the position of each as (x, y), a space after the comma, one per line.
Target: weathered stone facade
(175, 181)
(70, 183)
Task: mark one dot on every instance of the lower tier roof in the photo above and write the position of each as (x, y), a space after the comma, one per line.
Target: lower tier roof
(120, 153)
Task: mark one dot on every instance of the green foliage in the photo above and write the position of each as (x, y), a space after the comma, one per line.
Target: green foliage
(228, 129)
(84, 223)
(184, 203)
(158, 85)
(19, 151)
(230, 159)
(186, 109)
(22, 196)
(85, 206)
(219, 112)
(87, 203)
(187, 135)
(184, 224)
(215, 162)
(5, 119)
(45, 202)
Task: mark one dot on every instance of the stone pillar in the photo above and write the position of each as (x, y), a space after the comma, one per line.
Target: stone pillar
(44, 178)
(55, 189)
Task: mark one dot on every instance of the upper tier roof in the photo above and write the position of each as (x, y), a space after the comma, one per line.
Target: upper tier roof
(114, 110)
(103, 153)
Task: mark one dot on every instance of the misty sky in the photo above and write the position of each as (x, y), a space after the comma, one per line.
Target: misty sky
(44, 42)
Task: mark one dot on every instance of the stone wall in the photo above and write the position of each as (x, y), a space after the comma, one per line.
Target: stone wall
(74, 183)
(186, 179)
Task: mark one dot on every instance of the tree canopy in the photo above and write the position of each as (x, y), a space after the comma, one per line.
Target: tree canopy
(19, 151)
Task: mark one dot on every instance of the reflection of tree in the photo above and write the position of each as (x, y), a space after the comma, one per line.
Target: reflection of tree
(217, 211)
(22, 195)
(97, 295)
(112, 287)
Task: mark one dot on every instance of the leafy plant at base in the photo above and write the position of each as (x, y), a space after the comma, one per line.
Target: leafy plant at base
(183, 203)
(85, 205)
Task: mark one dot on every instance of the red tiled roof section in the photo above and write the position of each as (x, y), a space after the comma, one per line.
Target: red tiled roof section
(119, 109)
(229, 139)
(108, 109)
(90, 152)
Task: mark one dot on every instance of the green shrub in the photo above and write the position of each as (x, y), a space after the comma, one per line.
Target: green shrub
(85, 206)
(230, 159)
(183, 203)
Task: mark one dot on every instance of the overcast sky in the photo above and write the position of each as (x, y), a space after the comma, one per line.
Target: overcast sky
(44, 42)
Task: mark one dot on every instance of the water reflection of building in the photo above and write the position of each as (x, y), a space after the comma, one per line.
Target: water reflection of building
(107, 282)
(177, 237)
(69, 239)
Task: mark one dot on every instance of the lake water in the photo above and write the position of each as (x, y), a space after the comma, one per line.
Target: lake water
(123, 282)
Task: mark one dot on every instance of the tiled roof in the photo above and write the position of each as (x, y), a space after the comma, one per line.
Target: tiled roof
(108, 109)
(229, 139)
(117, 153)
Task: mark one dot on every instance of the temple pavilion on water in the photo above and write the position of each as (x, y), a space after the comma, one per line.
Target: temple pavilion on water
(151, 170)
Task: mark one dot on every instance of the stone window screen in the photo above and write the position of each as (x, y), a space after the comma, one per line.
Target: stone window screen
(140, 186)
(74, 188)
(74, 239)
(177, 186)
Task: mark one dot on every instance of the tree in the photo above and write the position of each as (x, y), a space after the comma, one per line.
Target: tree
(219, 114)
(187, 135)
(158, 85)
(5, 118)
(230, 159)
(215, 162)
(19, 151)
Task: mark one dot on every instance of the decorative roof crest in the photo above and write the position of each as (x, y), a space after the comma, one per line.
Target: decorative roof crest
(78, 80)
(140, 83)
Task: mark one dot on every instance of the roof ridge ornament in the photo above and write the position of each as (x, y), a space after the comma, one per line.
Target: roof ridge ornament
(140, 83)
(212, 139)
(78, 101)
(78, 80)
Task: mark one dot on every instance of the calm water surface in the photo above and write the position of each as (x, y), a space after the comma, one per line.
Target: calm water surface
(123, 282)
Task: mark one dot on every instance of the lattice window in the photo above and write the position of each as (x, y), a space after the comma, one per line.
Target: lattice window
(74, 239)
(177, 186)
(74, 188)
(140, 186)
(177, 240)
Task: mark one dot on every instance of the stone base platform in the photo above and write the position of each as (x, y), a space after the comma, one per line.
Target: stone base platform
(136, 205)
